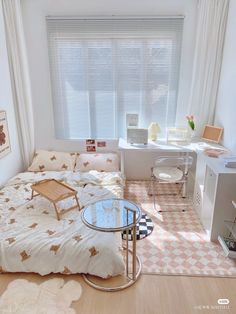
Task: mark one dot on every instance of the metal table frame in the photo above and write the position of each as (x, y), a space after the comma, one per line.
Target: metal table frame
(135, 259)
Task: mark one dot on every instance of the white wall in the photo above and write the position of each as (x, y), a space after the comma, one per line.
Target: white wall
(11, 163)
(226, 103)
(34, 13)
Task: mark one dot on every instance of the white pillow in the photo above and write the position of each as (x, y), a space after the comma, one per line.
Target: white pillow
(52, 161)
(107, 162)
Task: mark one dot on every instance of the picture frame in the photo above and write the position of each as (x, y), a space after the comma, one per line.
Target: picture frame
(132, 120)
(212, 133)
(5, 147)
(91, 148)
(90, 142)
(101, 144)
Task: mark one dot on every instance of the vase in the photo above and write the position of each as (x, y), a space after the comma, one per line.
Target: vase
(192, 134)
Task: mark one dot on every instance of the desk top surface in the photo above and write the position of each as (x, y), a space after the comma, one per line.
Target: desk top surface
(197, 145)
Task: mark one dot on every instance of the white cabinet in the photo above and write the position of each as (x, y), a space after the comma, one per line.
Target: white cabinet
(215, 187)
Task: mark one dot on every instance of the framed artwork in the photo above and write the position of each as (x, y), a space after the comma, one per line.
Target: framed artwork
(4, 135)
(90, 145)
(101, 144)
(90, 142)
(212, 133)
(132, 120)
(91, 148)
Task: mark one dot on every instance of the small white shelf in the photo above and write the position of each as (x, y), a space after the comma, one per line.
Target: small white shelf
(228, 253)
(231, 227)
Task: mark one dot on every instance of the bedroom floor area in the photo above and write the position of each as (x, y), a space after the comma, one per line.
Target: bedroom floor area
(155, 292)
(151, 294)
(178, 243)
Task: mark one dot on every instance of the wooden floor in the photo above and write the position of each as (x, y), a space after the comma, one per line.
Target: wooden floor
(152, 294)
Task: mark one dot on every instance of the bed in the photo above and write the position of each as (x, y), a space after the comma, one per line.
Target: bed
(33, 240)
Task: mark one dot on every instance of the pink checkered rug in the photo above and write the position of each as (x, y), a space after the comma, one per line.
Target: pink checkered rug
(178, 244)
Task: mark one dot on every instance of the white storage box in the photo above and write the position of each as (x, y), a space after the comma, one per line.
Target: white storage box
(137, 136)
(177, 135)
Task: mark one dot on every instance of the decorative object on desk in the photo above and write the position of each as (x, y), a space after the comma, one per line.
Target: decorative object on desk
(132, 120)
(153, 130)
(143, 229)
(212, 133)
(191, 125)
(4, 135)
(137, 136)
(177, 134)
(191, 122)
(214, 152)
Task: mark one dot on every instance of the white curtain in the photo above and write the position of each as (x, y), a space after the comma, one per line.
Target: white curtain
(19, 77)
(211, 26)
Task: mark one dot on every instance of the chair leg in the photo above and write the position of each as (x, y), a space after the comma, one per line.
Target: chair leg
(150, 188)
(151, 192)
(154, 195)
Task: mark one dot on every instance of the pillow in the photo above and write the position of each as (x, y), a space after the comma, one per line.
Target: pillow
(52, 161)
(107, 162)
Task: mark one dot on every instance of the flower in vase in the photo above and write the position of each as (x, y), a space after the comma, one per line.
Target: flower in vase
(191, 122)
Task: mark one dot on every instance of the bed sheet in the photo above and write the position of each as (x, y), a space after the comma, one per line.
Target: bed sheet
(32, 240)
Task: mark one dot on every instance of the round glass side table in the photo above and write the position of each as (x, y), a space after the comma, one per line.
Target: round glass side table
(115, 215)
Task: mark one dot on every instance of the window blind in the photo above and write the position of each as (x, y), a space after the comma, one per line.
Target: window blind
(102, 69)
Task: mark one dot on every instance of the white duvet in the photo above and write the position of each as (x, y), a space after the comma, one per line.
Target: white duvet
(33, 240)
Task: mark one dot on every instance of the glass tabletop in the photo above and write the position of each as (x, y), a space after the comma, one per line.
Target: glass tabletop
(111, 215)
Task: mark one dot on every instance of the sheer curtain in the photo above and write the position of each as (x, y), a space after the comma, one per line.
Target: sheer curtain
(19, 77)
(211, 26)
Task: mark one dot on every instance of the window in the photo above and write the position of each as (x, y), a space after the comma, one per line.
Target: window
(102, 69)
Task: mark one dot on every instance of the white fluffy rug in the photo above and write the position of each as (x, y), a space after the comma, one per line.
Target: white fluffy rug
(53, 296)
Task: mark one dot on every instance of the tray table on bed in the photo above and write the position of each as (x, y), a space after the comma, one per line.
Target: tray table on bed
(55, 191)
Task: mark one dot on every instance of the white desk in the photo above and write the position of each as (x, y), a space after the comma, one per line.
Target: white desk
(214, 184)
(159, 148)
(162, 145)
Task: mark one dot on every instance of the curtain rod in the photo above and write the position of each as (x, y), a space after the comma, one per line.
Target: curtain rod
(109, 17)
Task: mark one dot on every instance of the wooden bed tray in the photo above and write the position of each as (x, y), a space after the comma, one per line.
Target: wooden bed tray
(55, 191)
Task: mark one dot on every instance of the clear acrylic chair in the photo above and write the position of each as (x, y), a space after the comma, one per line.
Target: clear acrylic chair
(167, 170)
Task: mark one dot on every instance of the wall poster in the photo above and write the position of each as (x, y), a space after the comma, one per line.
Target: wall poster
(4, 135)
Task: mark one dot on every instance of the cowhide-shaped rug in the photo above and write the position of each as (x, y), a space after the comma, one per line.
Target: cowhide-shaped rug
(53, 296)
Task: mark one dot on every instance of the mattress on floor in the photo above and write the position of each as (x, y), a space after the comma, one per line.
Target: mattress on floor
(33, 240)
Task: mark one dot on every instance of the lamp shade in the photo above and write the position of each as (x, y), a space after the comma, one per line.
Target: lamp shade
(153, 130)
